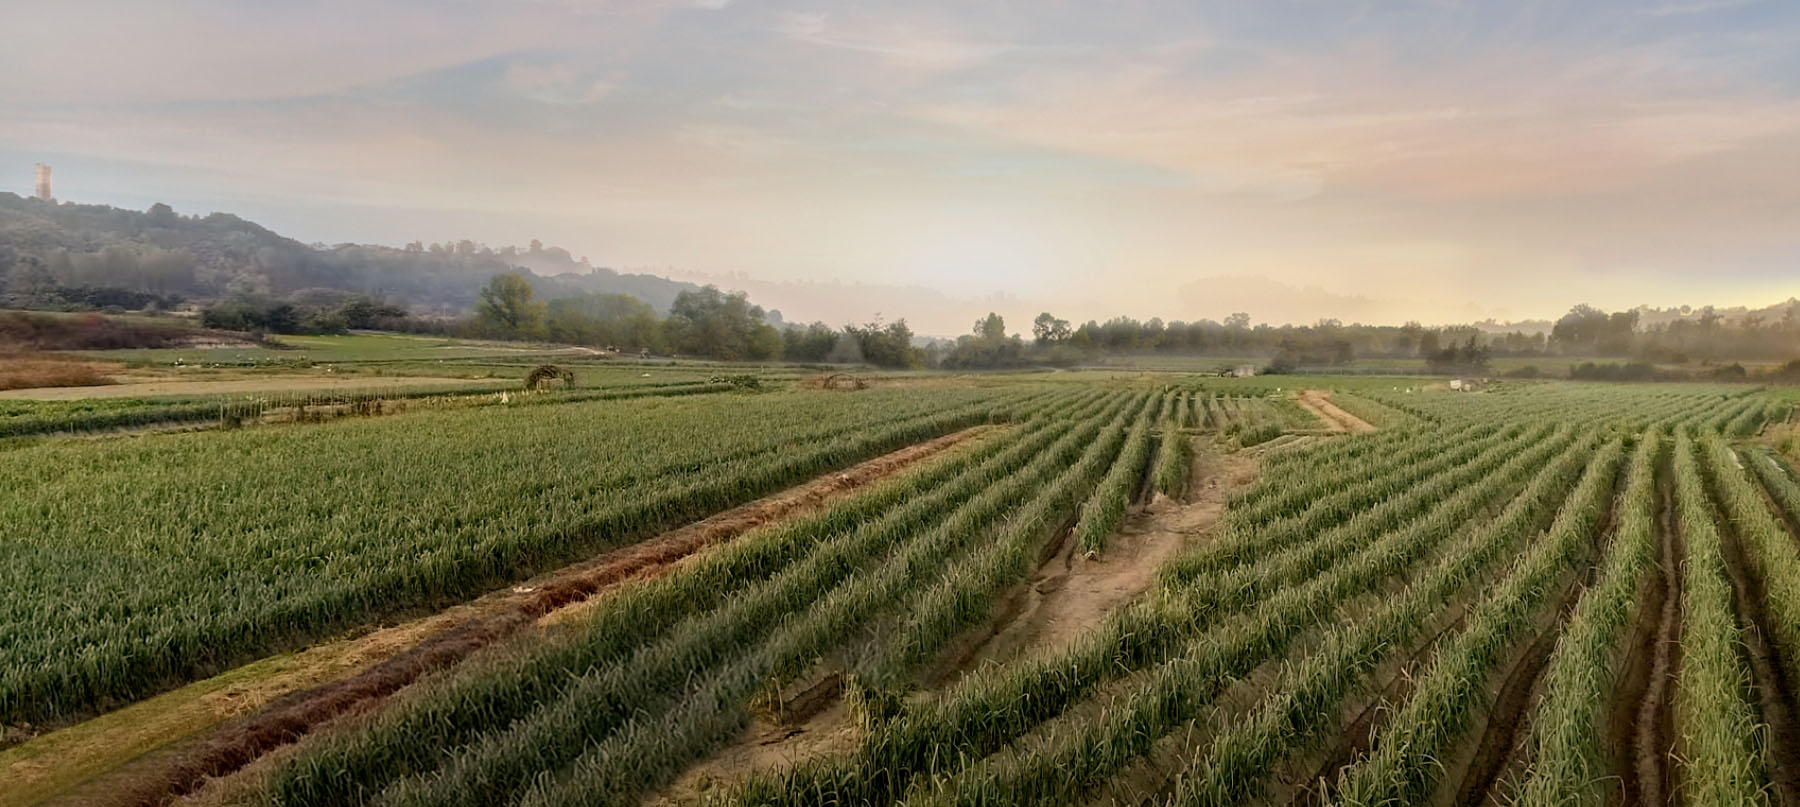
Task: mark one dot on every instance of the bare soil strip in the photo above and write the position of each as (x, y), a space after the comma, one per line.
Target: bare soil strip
(1071, 594)
(270, 703)
(1319, 403)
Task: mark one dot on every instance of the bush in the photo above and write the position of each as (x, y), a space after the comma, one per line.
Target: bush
(1632, 371)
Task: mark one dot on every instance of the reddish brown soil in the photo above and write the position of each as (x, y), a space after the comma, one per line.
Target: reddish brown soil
(174, 772)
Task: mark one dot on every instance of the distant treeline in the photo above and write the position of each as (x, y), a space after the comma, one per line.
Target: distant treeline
(1704, 337)
(1788, 373)
(93, 257)
(704, 322)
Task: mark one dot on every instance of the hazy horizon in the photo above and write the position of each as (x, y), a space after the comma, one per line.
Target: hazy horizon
(1435, 160)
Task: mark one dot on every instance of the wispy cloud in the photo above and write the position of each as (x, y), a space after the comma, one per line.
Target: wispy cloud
(1696, 7)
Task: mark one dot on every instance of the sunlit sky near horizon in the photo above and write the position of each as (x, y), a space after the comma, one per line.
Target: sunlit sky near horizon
(1435, 159)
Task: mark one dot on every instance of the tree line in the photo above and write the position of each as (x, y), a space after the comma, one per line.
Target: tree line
(705, 322)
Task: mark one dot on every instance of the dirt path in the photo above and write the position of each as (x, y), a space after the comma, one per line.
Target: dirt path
(267, 383)
(1072, 594)
(1319, 403)
(226, 722)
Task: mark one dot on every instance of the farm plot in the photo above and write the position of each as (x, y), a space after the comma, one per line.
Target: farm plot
(266, 538)
(1539, 593)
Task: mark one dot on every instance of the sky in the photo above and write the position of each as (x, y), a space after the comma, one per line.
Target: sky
(1438, 160)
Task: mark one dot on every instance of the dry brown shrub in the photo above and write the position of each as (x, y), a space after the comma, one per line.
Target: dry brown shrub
(29, 371)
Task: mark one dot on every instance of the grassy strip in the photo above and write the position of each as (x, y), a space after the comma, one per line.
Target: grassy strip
(417, 736)
(653, 750)
(1395, 496)
(1102, 512)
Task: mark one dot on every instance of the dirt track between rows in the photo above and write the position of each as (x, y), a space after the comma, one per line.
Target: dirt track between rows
(1318, 402)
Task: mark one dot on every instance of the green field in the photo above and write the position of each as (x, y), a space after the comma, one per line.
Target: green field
(1479, 562)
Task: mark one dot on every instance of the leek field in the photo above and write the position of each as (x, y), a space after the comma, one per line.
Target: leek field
(1378, 592)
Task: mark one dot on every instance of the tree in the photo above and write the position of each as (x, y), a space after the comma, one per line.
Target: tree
(712, 323)
(616, 320)
(991, 327)
(884, 345)
(506, 303)
(162, 215)
(1047, 329)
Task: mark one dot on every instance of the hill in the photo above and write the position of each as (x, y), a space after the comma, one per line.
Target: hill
(55, 254)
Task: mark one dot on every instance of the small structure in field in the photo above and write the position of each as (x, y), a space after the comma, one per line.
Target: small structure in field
(1244, 371)
(836, 381)
(1456, 384)
(543, 374)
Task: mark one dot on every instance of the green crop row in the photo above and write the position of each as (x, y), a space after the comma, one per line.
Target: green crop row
(992, 707)
(674, 623)
(1405, 764)
(1104, 510)
(1566, 746)
(1770, 550)
(1717, 736)
(263, 538)
(1181, 690)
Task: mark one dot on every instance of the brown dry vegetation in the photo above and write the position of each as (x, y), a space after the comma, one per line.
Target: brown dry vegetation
(24, 330)
(35, 370)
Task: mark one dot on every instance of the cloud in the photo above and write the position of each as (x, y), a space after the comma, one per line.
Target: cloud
(1699, 7)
